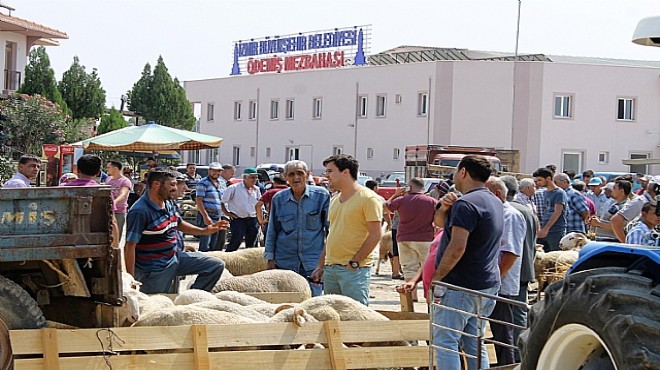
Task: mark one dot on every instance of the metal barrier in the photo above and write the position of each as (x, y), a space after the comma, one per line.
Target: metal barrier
(481, 319)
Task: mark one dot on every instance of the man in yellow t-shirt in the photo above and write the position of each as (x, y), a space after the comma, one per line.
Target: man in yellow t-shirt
(354, 215)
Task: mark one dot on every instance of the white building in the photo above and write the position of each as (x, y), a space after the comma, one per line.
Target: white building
(18, 36)
(577, 113)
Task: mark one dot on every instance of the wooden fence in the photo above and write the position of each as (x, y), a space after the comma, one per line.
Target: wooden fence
(240, 347)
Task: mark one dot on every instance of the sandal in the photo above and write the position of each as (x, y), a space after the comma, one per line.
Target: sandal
(397, 277)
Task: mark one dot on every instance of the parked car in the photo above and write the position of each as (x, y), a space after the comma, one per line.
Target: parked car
(201, 170)
(391, 179)
(362, 179)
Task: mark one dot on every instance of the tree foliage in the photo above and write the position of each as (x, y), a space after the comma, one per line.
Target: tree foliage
(159, 98)
(30, 121)
(6, 168)
(82, 91)
(40, 78)
(78, 129)
(111, 121)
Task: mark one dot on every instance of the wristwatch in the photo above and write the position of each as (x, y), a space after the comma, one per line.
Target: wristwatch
(354, 264)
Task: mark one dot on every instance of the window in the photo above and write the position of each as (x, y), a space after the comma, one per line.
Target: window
(639, 168)
(337, 149)
(237, 110)
(396, 154)
(422, 103)
(362, 106)
(292, 153)
(253, 151)
(290, 109)
(274, 109)
(194, 156)
(267, 152)
(604, 157)
(236, 156)
(626, 109)
(572, 160)
(210, 112)
(398, 98)
(317, 103)
(252, 110)
(212, 155)
(563, 108)
(370, 153)
(380, 105)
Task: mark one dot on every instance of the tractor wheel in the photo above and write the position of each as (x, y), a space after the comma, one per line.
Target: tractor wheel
(604, 318)
(17, 311)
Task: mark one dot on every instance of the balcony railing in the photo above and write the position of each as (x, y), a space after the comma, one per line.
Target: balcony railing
(12, 80)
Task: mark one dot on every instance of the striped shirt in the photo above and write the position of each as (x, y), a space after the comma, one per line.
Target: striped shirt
(154, 230)
(640, 234)
(539, 203)
(577, 205)
(211, 194)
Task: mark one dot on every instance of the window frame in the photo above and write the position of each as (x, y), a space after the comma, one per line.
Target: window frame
(379, 98)
(633, 109)
(363, 106)
(210, 112)
(370, 153)
(422, 104)
(276, 103)
(290, 109)
(238, 107)
(570, 106)
(252, 110)
(317, 108)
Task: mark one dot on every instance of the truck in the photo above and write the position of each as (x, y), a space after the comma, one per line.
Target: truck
(57, 261)
(438, 160)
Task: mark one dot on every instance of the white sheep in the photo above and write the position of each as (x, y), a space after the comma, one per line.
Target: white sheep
(243, 261)
(573, 241)
(552, 266)
(129, 312)
(238, 297)
(226, 306)
(339, 307)
(190, 315)
(193, 296)
(266, 281)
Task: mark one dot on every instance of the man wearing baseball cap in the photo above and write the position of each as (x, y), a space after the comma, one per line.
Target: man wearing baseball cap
(597, 195)
(209, 208)
(633, 209)
(238, 203)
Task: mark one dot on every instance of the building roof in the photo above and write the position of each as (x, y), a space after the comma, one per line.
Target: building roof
(413, 54)
(30, 29)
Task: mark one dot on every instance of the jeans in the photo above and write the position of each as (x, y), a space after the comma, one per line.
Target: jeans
(208, 242)
(519, 317)
(338, 279)
(502, 333)
(207, 268)
(243, 227)
(317, 289)
(463, 322)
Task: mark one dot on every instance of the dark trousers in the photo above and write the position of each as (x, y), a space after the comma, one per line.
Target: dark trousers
(502, 333)
(243, 227)
(519, 316)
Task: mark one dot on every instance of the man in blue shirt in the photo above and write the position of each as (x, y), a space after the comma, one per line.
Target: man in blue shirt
(467, 257)
(553, 220)
(209, 210)
(297, 225)
(152, 256)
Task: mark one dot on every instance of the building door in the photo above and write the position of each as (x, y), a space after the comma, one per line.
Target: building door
(12, 77)
(292, 153)
(639, 168)
(572, 160)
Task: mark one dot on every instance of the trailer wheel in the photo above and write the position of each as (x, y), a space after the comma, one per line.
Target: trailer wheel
(17, 311)
(603, 318)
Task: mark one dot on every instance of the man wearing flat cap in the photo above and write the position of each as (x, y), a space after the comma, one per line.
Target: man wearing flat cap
(238, 203)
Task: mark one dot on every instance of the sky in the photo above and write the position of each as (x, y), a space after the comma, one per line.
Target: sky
(195, 37)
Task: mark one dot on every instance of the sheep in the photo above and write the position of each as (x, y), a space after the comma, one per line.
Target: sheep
(153, 302)
(339, 307)
(192, 296)
(238, 297)
(243, 261)
(385, 250)
(573, 241)
(190, 315)
(226, 306)
(552, 266)
(129, 312)
(266, 281)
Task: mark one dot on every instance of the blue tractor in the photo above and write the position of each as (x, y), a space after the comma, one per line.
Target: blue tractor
(604, 315)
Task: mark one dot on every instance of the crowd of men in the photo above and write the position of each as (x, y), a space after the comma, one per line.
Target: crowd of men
(475, 231)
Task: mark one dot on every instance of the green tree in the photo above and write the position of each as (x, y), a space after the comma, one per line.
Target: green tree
(82, 91)
(31, 121)
(40, 78)
(159, 98)
(78, 129)
(6, 168)
(111, 121)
